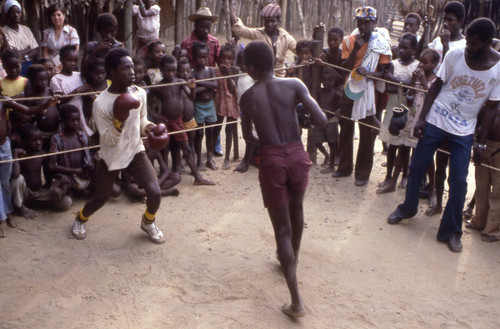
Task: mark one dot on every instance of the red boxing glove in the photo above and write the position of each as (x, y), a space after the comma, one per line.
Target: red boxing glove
(123, 105)
(158, 138)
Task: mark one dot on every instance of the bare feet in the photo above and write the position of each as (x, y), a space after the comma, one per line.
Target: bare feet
(170, 192)
(489, 238)
(434, 210)
(389, 187)
(203, 181)
(27, 212)
(403, 182)
(226, 165)
(328, 170)
(432, 200)
(11, 222)
(211, 164)
(242, 167)
(3, 229)
(201, 167)
(384, 183)
(468, 213)
(294, 311)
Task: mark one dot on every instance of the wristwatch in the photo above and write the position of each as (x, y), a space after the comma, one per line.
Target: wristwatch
(481, 146)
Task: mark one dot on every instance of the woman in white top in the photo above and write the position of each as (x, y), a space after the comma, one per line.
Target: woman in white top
(58, 34)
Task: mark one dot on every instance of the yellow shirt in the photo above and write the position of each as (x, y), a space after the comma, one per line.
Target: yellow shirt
(13, 87)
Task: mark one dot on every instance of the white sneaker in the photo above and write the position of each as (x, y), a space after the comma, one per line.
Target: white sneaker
(153, 232)
(78, 229)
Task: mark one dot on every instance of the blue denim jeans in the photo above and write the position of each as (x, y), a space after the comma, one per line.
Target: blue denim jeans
(460, 149)
(5, 171)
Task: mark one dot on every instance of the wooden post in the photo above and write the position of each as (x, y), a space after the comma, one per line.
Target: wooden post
(179, 21)
(284, 11)
(301, 18)
(127, 23)
(318, 37)
(229, 35)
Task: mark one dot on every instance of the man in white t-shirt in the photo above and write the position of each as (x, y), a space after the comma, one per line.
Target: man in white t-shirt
(468, 79)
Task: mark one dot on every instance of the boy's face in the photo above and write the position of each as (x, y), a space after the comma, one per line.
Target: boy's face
(202, 28)
(14, 15)
(41, 80)
(158, 52)
(405, 50)
(426, 63)
(474, 46)
(226, 58)
(70, 61)
(201, 57)
(184, 71)
(334, 40)
(49, 67)
(98, 74)
(183, 54)
(72, 122)
(140, 72)
(108, 33)
(169, 71)
(327, 77)
(411, 25)
(124, 72)
(451, 22)
(34, 142)
(12, 67)
(304, 54)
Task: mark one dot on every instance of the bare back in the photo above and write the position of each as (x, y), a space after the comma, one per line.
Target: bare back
(270, 104)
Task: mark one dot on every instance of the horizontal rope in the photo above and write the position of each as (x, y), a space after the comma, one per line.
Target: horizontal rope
(402, 137)
(98, 146)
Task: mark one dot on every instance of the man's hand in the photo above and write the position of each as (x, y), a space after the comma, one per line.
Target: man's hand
(360, 42)
(477, 155)
(445, 36)
(362, 71)
(418, 131)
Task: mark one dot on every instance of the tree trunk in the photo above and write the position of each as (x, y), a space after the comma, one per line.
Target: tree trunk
(179, 21)
(301, 18)
(127, 23)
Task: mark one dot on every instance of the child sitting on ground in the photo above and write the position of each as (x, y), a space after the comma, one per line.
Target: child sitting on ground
(69, 82)
(26, 181)
(329, 101)
(204, 106)
(75, 166)
(226, 102)
(172, 108)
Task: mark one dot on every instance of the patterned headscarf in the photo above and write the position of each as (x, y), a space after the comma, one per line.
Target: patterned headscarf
(271, 10)
(366, 13)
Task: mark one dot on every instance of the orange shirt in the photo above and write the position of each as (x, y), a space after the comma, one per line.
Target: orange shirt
(348, 46)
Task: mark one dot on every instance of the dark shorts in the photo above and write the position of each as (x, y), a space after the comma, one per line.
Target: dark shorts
(282, 168)
(205, 112)
(177, 125)
(328, 133)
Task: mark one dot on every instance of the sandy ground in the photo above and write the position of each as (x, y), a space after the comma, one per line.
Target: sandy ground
(218, 269)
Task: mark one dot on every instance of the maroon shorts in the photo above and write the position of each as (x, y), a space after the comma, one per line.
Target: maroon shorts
(282, 168)
(177, 125)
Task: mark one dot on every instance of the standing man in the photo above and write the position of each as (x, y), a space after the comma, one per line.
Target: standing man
(274, 35)
(367, 54)
(468, 78)
(284, 164)
(203, 20)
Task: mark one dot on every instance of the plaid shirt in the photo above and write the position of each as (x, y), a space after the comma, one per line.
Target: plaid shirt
(213, 48)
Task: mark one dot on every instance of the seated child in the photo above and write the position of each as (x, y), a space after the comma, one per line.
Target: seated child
(75, 166)
(172, 108)
(106, 27)
(26, 181)
(69, 82)
(329, 100)
(226, 102)
(6, 208)
(204, 106)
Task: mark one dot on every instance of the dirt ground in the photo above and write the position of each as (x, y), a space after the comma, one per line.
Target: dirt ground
(218, 269)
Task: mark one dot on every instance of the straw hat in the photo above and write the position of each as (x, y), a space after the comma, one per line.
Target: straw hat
(203, 13)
